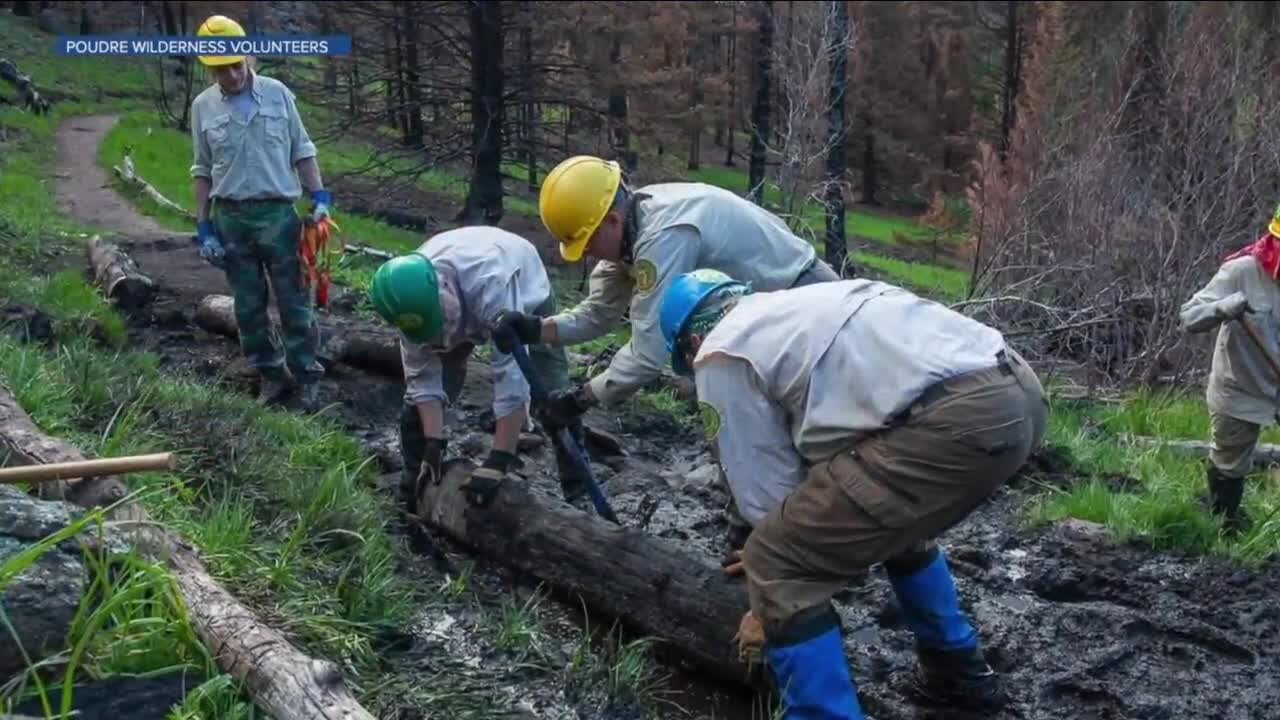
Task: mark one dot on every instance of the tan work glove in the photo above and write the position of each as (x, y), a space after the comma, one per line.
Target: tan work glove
(750, 638)
(732, 563)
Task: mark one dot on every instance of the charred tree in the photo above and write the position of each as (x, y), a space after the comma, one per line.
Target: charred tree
(484, 197)
(733, 87)
(1012, 76)
(22, 8)
(762, 63)
(330, 64)
(837, 154)
(870, 174)
(529, 119)
(695, 100)
(413, 133)
(619, 133)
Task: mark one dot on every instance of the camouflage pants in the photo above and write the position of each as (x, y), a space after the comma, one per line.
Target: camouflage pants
(261, 243)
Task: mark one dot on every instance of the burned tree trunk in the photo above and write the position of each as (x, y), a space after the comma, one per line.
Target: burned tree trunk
(484, 197)
(733, 86)
(118, 275)
(619, 131)
(762, 64)
(646, 582)
(1012, 76)
(279, 678)
(414, 133)
(837, 156)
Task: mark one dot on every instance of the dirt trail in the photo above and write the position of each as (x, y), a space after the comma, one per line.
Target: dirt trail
(84, 191)
(1080, 627)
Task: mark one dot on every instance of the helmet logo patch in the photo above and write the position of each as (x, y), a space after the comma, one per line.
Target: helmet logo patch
(409, 321)
(645, 275)
(710, 419)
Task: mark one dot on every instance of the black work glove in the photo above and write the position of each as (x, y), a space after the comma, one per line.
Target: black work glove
(563, 407)
(513, 328)
(499, 460)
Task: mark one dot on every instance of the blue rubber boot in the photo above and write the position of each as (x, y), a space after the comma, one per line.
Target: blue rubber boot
(813, 678)
(952, 668)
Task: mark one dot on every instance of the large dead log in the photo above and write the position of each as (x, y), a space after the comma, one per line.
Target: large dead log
(278, 677)
(648, 584)
(31, 98)
(118, 275)
(1262, 453)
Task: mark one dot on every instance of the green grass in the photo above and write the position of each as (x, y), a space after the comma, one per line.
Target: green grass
(98, 81)
(283, 506)
(940, 283)
(883, 229)
(1152, 495)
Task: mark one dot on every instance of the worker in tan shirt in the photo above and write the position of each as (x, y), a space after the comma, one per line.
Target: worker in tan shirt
(850, 437)
(1243, 390)
(643, 240)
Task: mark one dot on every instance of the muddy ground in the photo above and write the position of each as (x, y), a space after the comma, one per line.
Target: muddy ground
(1080, 628)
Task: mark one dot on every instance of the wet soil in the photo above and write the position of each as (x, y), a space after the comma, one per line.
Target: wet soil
(1079, 627)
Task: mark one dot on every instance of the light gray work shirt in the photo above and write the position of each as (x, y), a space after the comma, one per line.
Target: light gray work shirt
(788, 379)
(681, 227)
(1241, 384)
(493, 270)
(249, 156)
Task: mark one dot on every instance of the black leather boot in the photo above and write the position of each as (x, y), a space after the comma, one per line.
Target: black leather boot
(961, 678)
(1225, 494)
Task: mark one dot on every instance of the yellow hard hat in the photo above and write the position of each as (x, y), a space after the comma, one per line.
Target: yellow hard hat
(220, 26)
(575, 197)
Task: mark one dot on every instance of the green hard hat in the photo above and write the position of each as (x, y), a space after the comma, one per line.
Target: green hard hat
(406, 293)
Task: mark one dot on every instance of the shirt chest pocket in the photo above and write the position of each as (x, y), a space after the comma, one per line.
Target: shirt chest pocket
(218, 135)
(275, 126)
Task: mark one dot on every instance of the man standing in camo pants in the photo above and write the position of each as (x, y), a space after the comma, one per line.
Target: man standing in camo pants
(250, 149)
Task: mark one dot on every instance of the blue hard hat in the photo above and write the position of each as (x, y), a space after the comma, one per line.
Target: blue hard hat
(680, 303)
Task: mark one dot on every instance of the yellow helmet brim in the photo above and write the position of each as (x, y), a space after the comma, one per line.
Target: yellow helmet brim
(573, 251)
(220, 60)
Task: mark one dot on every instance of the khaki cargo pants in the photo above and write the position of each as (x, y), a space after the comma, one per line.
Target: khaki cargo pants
(1234, 441)
(892, 493)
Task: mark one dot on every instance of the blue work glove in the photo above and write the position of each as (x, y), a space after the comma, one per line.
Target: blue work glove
(210, 249)
(320, 202)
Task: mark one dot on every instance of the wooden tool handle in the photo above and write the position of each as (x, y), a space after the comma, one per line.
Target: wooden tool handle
(1262, 347)
(87, 468)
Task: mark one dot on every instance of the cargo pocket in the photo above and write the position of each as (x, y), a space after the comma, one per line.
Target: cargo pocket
(885, 507)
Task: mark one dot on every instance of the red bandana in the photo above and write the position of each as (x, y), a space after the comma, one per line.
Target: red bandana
(1266, 251)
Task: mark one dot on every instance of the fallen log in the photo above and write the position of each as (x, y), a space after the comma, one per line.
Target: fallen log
(31, 98)
(1263, 454)
(125, 171)
(22, 443)
(278, 677)
(648, 583)
(118, 275)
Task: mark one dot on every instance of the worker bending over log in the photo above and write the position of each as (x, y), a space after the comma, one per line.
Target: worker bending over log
(250, 149)
(1244, 385)
(443, 298)
(850, 437)
(644, 239)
